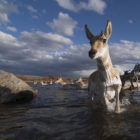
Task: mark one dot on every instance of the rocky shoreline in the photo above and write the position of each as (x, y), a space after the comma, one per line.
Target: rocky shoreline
(13, 89)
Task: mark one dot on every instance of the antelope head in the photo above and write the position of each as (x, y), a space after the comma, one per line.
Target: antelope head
(99, 43)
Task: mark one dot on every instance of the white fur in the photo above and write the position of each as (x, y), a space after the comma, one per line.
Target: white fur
(107, 60)
(104, 92)
(100, 53)
(100, 94)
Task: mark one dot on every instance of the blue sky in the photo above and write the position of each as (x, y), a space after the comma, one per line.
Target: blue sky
(41, 37)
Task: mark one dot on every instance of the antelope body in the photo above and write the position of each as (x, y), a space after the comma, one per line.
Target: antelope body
(66, 85)
(43, 83)
(81, 83)
(51, 82)
(131, 76)
(35, 82)
(104, 84)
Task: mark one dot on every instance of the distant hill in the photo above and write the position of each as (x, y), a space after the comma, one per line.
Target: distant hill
(31, 78)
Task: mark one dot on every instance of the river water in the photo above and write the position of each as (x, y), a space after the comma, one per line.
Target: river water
(58, 114)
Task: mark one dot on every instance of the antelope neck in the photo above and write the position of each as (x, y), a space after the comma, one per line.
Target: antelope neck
(104, 64)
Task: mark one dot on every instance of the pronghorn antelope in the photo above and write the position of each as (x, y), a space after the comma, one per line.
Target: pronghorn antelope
(131, 76)
(66, 85)
(43, 83)
(82, 85)
(61, 81)
(35, 82)
(51, 82)
(104, 84)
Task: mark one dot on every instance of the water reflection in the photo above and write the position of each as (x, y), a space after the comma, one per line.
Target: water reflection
(66, 114)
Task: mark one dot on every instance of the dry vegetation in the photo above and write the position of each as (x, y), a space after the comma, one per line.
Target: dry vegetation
(30, 78)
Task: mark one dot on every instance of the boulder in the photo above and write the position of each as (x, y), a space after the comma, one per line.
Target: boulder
(13, 89)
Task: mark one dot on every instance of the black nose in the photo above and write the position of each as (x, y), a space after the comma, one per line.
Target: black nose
(92, 53)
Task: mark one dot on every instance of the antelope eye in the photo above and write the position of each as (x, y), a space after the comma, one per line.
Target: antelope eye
(104, 40)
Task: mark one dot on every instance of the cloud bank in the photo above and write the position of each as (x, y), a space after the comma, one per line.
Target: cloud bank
(43, 53)
(92, 5)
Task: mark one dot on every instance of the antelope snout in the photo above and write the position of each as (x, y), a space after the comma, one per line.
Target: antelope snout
(92, 53)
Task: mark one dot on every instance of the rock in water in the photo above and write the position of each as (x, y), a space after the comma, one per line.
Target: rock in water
(13, 89)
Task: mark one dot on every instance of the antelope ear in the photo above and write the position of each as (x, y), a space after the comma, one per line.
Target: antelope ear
(88, 33)
(108, 29)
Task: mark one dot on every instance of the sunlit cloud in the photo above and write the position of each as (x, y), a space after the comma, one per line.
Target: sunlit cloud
(92, 5)
(5, 9)
(31, 9)
(130, 21)
(49, 41)
(64, 24)
(43, 53)
(12, 29)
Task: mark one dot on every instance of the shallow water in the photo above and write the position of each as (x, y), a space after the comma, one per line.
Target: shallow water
(67, 115)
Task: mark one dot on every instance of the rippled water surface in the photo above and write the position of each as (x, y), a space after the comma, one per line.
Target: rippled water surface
(67, 115)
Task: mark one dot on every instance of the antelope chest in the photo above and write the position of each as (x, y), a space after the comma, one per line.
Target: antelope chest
(101, 91)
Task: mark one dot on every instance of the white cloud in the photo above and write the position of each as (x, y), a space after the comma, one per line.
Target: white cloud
(30, 48)
(11, 50)
(84, 73)
(8, 41)
(120, 69)
(5, 9)
(31, 9)
(64, 24)
(44, 53)
(130, 21)
(13, 29)
(39, 55)
(93, 5)
(123, 67)
(124, 55)
(49, 41)
(125, 51)
(68, 4)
